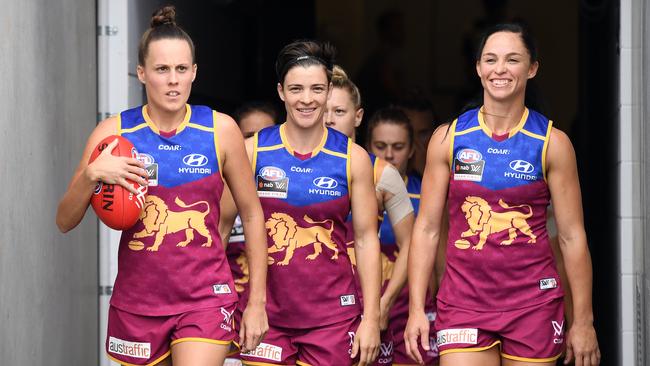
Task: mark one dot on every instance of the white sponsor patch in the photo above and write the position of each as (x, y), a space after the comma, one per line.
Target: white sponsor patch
(232, 362)
(457, 336)
(266, 351)
(547, 283)
(468, 165)
(347, 300)
(130, 349)
(221, 289)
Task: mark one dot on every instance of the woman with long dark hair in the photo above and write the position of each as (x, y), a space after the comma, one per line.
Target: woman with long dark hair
(497, 167)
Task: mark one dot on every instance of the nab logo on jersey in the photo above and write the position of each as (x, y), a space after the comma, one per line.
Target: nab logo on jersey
(469, 165)
(272, 173)
(521, 166)
(195, 160)
(469, 156)
(272, 182)
(325, 182)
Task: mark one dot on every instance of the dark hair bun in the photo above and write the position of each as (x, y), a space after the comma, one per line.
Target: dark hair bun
(164, 15)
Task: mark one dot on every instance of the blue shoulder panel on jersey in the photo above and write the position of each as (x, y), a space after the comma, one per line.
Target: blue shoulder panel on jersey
(132, 117)
(467, 120)
(336, 141)
(536, 123)
(269, 136)
(373, 158)
(201, 115)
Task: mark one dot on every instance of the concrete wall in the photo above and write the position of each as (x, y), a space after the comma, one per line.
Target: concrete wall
(631, 183)
(48, 281)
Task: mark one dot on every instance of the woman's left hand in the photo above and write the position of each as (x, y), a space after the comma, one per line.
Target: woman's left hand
(366, 342)
(254, 326)
(582, 344)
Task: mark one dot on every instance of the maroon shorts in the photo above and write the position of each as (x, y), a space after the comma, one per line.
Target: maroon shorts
(146, 340)
(326, 345)
(392, 350)
(398, 325)
(532, 334)
(386, 349)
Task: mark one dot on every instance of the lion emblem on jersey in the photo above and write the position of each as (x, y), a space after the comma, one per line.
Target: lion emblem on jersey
(160, 221)
(288, 236)
(240, 283)
(483, 221)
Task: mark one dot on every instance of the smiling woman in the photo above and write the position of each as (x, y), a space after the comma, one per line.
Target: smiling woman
(308, 179)
(496, 168)
(191, 151)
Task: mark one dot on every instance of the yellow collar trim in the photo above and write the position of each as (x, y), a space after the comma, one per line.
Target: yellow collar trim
(152, 125)
(488, 131)
(287, 145)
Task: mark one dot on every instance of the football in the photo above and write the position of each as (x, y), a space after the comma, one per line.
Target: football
(115, 205)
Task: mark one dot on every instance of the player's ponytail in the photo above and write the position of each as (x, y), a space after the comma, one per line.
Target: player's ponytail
(162, 26)
(341, 80)
(162, 16)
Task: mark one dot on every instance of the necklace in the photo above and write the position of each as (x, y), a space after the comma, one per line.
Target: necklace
(493, 114)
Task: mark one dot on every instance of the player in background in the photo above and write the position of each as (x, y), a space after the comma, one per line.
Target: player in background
(344, 113)
(421, 114)
(254, 116)
(250, 117)
(391, 137)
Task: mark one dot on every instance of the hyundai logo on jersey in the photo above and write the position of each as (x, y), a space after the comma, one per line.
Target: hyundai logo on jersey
(325, 182)
(521, 166)
(195, 160)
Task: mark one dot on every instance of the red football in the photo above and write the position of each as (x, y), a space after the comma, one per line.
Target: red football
(115, 205)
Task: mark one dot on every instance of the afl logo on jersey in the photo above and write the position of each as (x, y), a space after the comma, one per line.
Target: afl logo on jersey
(468, 165)
(272, 182)
(146, 159)
(272, 173)
(325, 182)
(195, 160)
(469, 156)
(521, 166)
